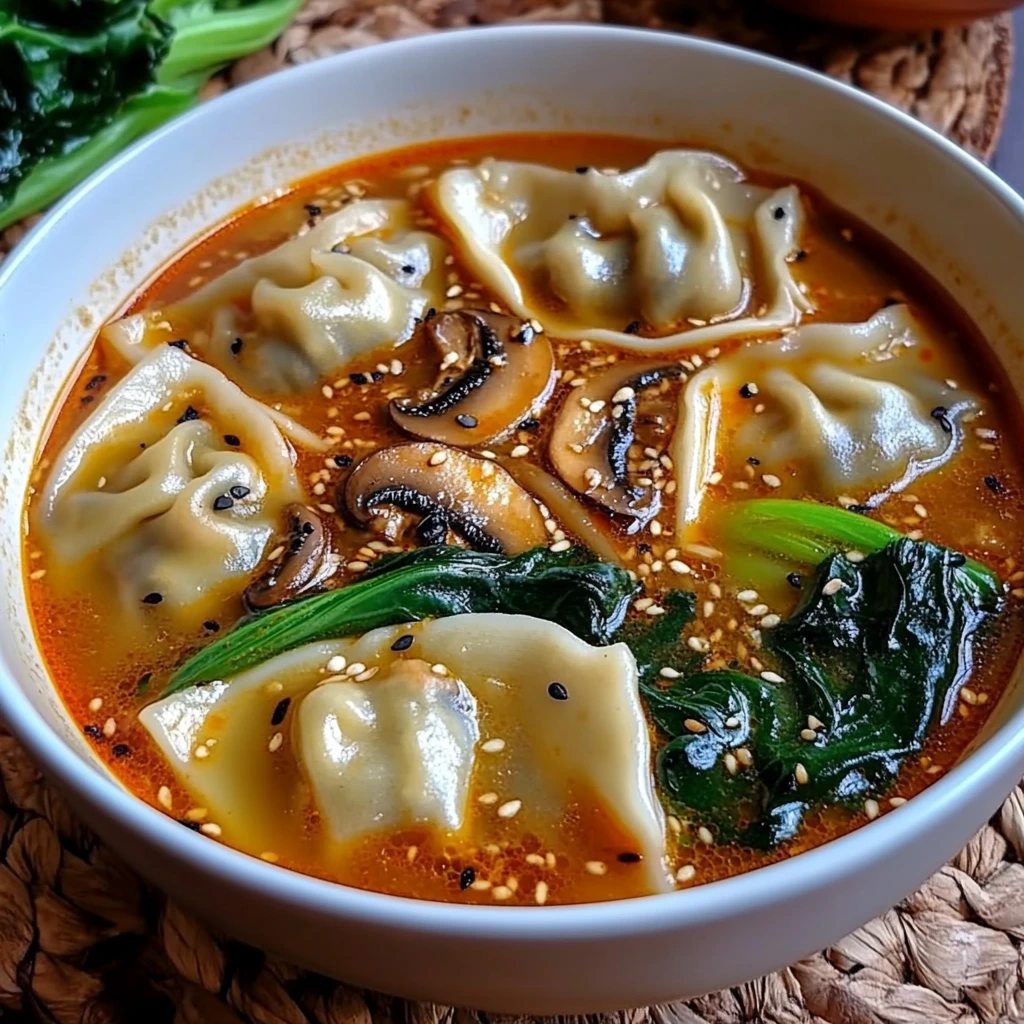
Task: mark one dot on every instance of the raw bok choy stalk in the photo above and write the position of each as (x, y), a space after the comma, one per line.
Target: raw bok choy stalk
(871, 660)
(587, 596)
(81, 79)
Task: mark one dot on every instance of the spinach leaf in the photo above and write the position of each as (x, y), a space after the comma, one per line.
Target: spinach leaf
(588, 597)
(871, 660)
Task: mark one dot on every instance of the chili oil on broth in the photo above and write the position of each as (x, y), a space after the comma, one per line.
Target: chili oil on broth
(107, 668)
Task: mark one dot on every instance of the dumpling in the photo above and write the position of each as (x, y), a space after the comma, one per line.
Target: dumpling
(175, 485)
(279, 322)
(405, 742)
(682, 247)
(841, 409)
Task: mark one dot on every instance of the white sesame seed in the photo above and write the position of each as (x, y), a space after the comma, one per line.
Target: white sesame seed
(95, 704)
(705, 836)
(357, 566)
(550, 860)
(655, 609)
(492, 746)
(481, 885)
(355, 668)
(597, 406)
(336, 664)
(986, 433)
(327, 391)
(643, 603)
(758, 610)
(800, 773)
(596, 867)
(439, 669)
(540, 894)
(674, 824)
(686, 873)
(276, 553)
(210, 828)
(368, 674)
(833, 587)
(196, 813)
(439, 457)
(678, 567)
(519, 451)
(560, 545)
(771, 480)
(814, 723)
(855, 556)
(668, 672)
(109, 727)
(501, 892)
(655, 528)
(744, 756)
(697, 643)
(396, 367)
(692, 725)
(732, 722)
(488, 798)
(771, 620)
(453, 292)
(509, 809)
(163, 797)
(362, 417)
(624, 394)
(808, 734)
(275, 742)
(772, 677)
(871, 808)
(897, 801)
(731, 764)
(747, 596)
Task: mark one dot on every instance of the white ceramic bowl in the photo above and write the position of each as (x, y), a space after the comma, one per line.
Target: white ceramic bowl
(73, 271)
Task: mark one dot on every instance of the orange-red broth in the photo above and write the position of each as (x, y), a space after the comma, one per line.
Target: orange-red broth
(94, 655)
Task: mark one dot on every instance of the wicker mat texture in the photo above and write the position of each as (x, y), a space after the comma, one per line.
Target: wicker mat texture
(85, 941)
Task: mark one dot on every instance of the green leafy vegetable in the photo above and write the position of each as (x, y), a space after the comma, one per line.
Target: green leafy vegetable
(876, 661)
(80, 79)
(571, 588)
(769, 536)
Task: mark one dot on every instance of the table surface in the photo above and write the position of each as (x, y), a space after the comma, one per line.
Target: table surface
(1009, 158)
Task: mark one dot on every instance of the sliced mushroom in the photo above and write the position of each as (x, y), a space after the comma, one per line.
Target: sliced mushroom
(495, 372)
(593, 432)
(449, 492)
(307, 561)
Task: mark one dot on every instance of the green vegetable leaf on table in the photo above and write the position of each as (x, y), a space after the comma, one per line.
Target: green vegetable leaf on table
(870, 661)
(81, 79)
(588, 597)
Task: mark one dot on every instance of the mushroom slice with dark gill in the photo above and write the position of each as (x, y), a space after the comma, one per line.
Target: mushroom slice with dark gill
(447, 491)
(495, 371)
(307, 562)
(593, 433)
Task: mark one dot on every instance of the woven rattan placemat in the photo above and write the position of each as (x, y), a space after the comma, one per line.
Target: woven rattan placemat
(84, 941)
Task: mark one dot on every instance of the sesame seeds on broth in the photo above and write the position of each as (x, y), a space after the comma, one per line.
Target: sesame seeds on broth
(107, 668)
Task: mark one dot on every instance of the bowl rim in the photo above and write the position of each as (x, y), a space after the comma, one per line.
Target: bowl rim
(772, 884)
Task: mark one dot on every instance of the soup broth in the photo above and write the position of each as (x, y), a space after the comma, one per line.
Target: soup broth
(790, 419)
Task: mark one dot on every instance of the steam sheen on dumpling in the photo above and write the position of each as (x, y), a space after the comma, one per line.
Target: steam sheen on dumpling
(174, 485)
(278, 322)
(845, 409)
(682, 245)
(408, 745)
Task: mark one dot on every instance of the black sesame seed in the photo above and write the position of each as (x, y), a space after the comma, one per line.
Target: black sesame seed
(280, 710)
(525, 336)
(95, 382)
(753, 460)
(941, 414)
(359, 378)
(643, 547)
(121, 750)
(236, 346)
(632, 327)
(582, 169)
(153, 598)
(956, 559)
(189, 414)
(778, 213)
(223, 502)
(179, 343)
(629, 857)
(87, 399)
(800, 254)
(408, 268)
(795, 580)
(142, 444)
(343, 460)
(403, 643)
(430, 314)
(465, 420)
(557, 691)
(995, 485)
(531, 423)
(859, 509)
(194, 825)
(93, 731)
(466, 878)
(572, 216)
(376, 376)
(232, 439)
(143, 684)
(212, 625)
(748, 391)
(238, 491)
(312, 209)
